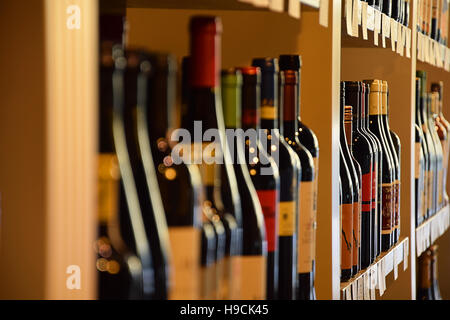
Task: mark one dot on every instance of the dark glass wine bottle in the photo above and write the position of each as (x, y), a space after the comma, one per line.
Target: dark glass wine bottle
(428, 163)
(289, 172)
(346, 205)
(362, 151)
(419, 176)
(433, 156)
(434, 273)
(308, 140)
(132, 220)
(434, 19)
(119, 269)
(253, 262)
(376, 171)
(263, 171)
(357, 200)
(205, 105)
(155, 107)
(145, 177)
(393, 143)
(396, 10)
(387, 179)
(306, 239)
(424, 288)
(438, 87)
(387, 7)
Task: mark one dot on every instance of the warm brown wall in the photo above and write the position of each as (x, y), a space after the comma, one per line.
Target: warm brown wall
(22, 94)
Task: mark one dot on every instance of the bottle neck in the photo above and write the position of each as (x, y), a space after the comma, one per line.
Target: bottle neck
(384, 110)
(269, 100)
(231, 105)
(374, 104)
(250, 103)
(288, 114)
(348, 127)
(352, 98)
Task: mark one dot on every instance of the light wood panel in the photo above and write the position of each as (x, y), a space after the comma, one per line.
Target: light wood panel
(71, 139)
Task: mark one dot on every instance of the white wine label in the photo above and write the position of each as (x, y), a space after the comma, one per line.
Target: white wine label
(108, 187)
(185, 274)
(305, 227)
(253, 278)
(323, 13)
(366, 286)
(348, 17)
(360, 285)
(354, 290)
(286, 226)
(364, 19)
(355, 18)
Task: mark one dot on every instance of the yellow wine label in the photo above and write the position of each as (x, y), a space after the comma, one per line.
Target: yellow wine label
(374, 103)
(316, 190)
(417, 166)
(108, 187)
(185, 274)
(253, 277)
(305, 227)
(286, 225)
(207, 165)
(268, 112)
(384, 103)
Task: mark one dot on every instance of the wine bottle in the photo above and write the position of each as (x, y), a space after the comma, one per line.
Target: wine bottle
(393, 143)
(208, 235)
(308, 139)
(434, 19)
(419, 177)
(397, 10)
(440, 134)
(132, 222)
(346, 208)
(289, 172)
(434, 273)
(427, 164)
(387, 7)
(119, 268)
(254, 247)
(205, 106)
(263, 171)
(153, 115)
(145, 177)
(425, 291)
(357, 201)
(362, 151)
(376, 171)
(387, 178)
(438, 87)
(288, 129)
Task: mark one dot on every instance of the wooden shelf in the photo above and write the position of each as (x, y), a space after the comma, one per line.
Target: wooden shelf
(433, 228)
(364, 284)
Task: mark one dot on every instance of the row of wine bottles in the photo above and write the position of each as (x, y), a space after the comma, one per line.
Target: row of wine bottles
(428, 281)
(369, 175)
(432, 146)
(432, 19)
(241, 228)
(395, 9)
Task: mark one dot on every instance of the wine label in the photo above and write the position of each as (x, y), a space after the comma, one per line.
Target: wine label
(185, 258)
(387, 208)
(418, 168)
(268, 200)
(268, 112)
(305, 237)
(346, 236)
(287, 218)
(396, 204)
(356, 229)
(366, 193)
(374, 103)
(108, 187)
(253, 277)
(316, 191)
(235, 277)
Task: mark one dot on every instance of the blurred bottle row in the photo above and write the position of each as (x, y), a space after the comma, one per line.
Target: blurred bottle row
(432, 19)
(432, 145)
(370, 166)
(242, 227)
